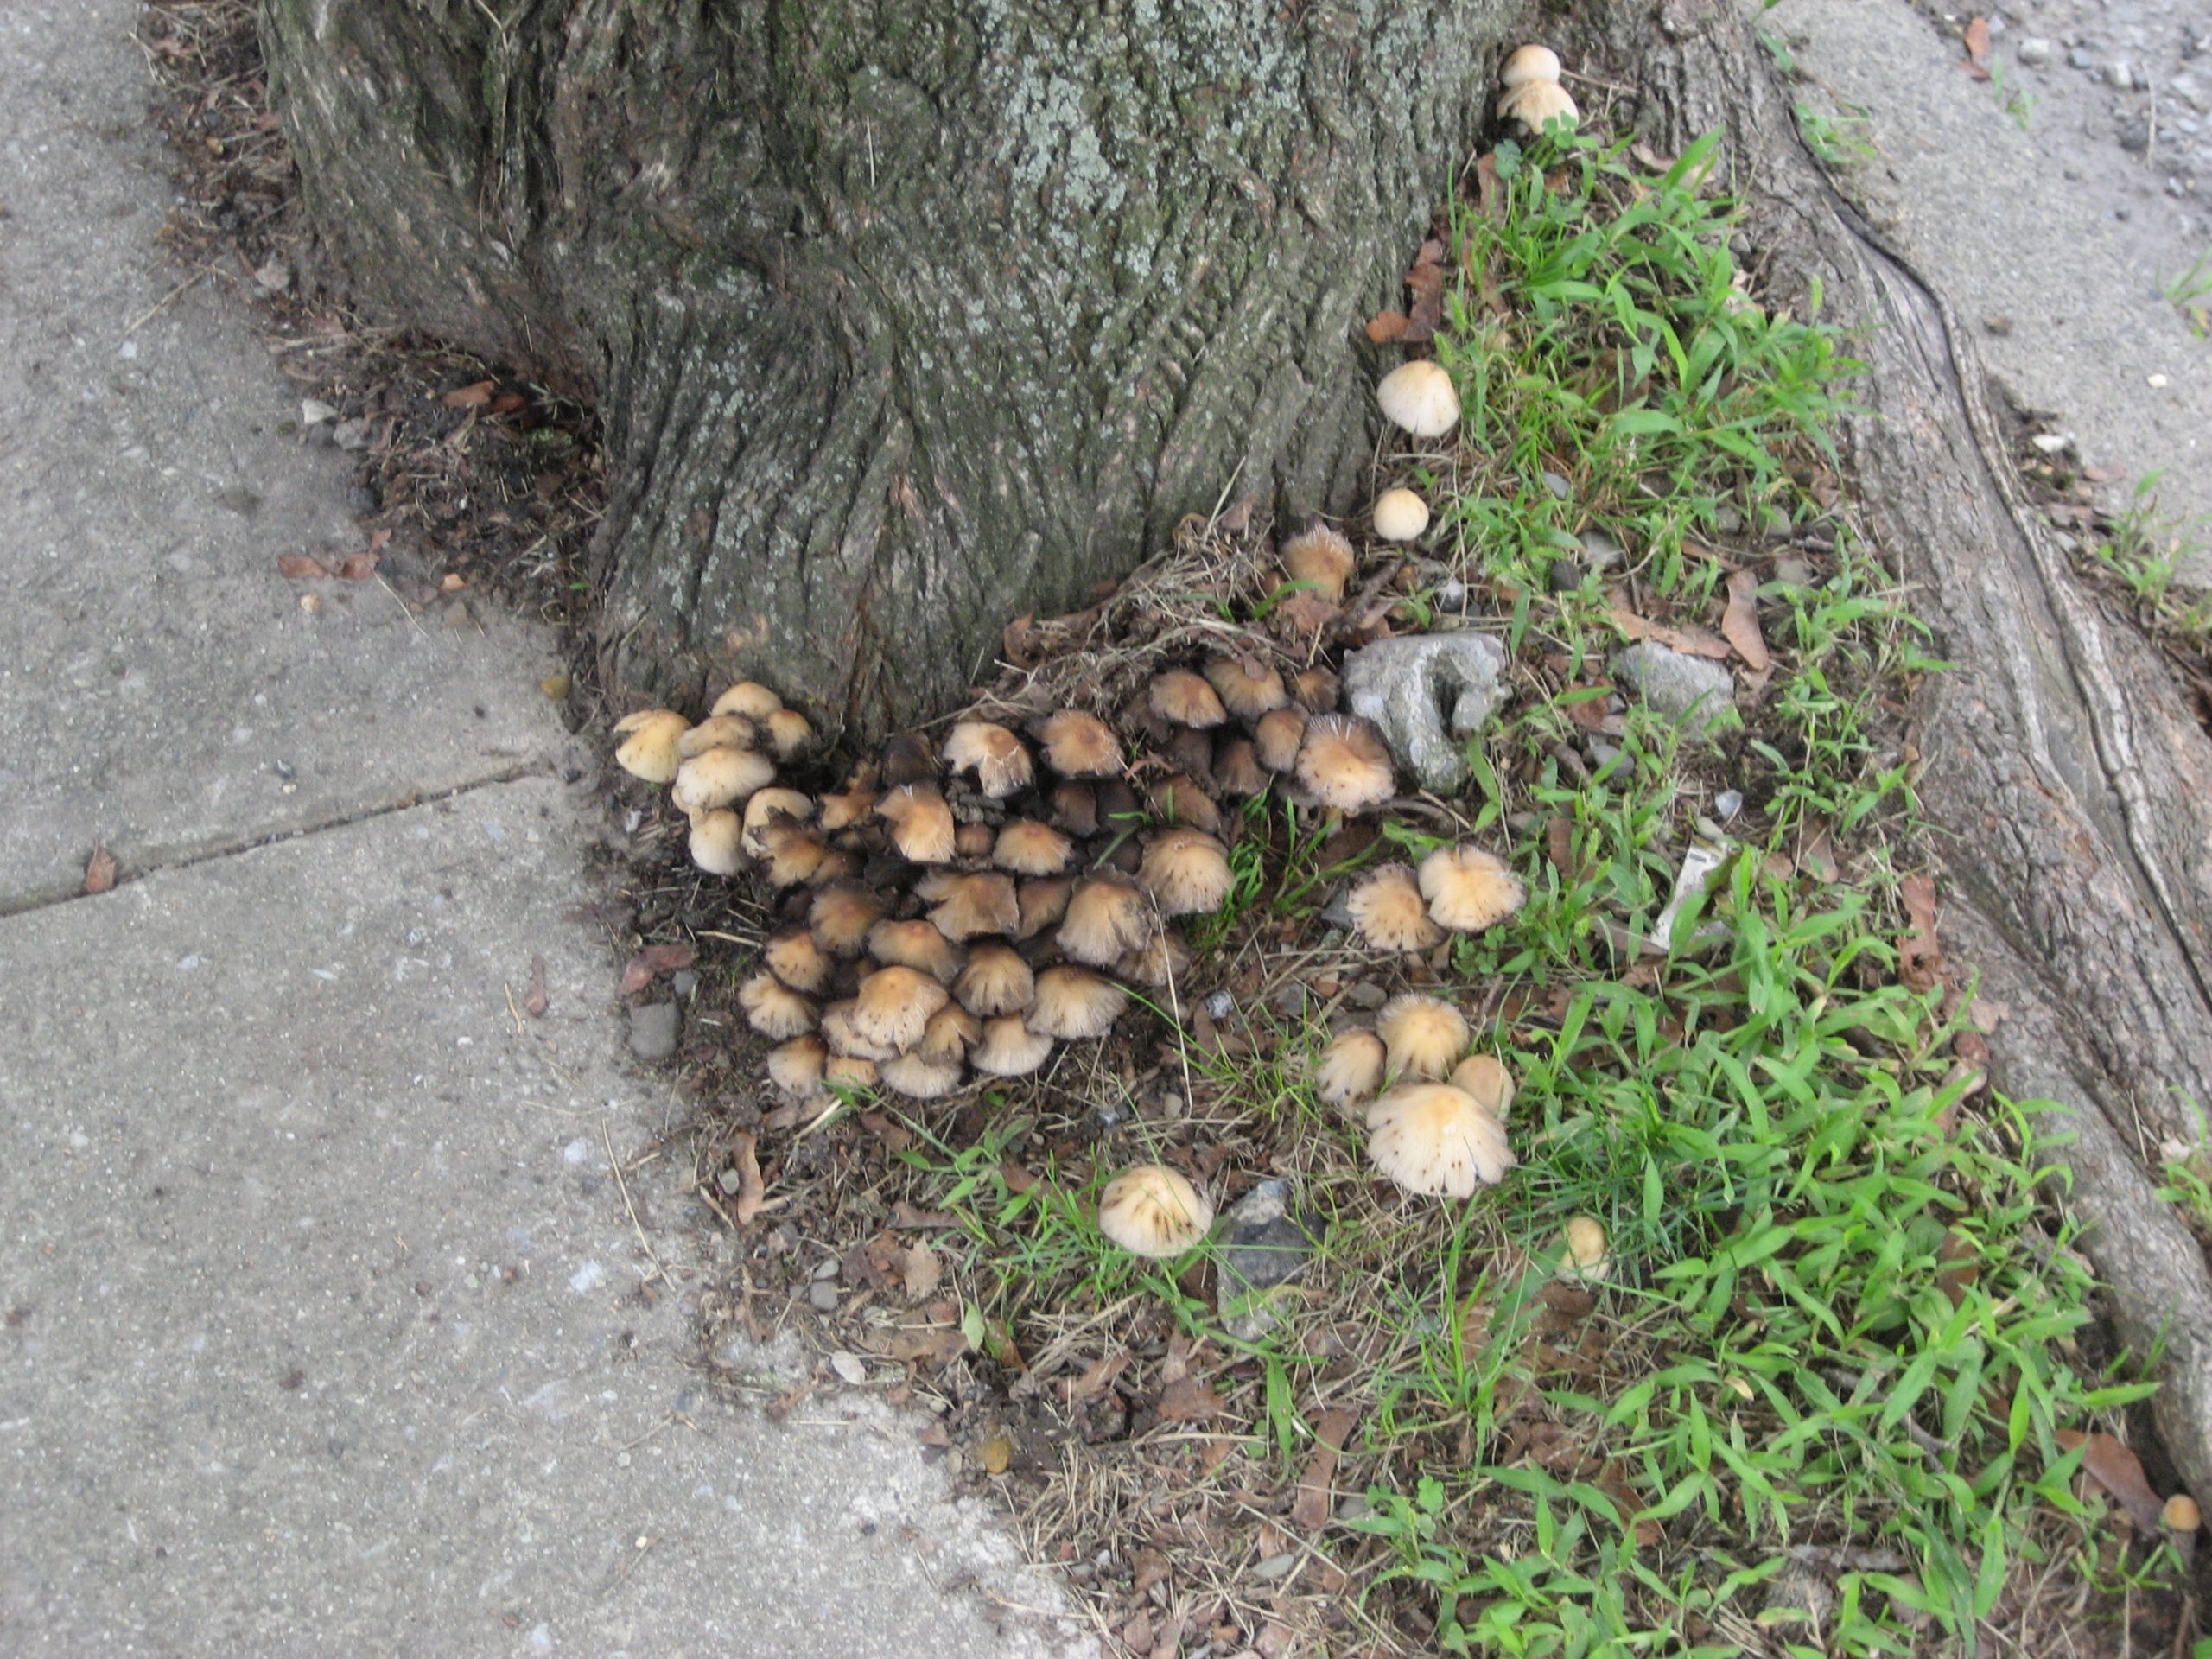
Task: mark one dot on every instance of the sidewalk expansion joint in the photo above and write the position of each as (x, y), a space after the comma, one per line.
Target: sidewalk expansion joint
(21, 904)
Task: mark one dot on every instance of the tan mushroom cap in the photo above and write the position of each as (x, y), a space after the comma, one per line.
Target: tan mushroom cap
(849, 1072)
(796, 1067)
(1044, 901)
(1430, 1138)
(1422, 1035)
(1316, 688)
(1151, 1210)
(894, 1006)
(773, 1009)
(1350, 1069)
(718, 732)
(1400, 515)
(1009, 1048)
(842, 811)
(919, 1076)
(789, 732)
(1468, 889)
(1165, 959)
(844, 1038)
(796, 959)
(1278, 737)
(1075, 1005)
(748, 698)
(1247, 688)
(1105, 917)
(1485, 1077)
(916, 944)
(996, 982)
(2181, 1514)
(1345, 765)
(1028, 847)
(1582, 1248)
(713, 839)
(984, 902)
(764, 807)
(1419, 397)
(1389, 912)
(840, 916)
(921, 824)
(1186, 871)
(1237, 767)
(1537, 104)
(1183, 698)
(998, 757)
(1528, 63)
(1320, 557)
(973, 840)
(650, 748)
(793, 852)
(1079, 745)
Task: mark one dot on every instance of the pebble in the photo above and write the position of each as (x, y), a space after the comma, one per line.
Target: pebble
(1565, 576)
(1451, 596)
(1263, 1246)
(683, 981)
(822, 1296)
(848, 1366)
(2116, 74)
(1792, 571)
(1220, 1005)
(2135, 139)
(653, 1030)
(2034, 52)
(1365, 993)
(1427, 693)
(352, 434)
(1692, 692)
(2082, 57)
(1556, 484)
(1291, 1000)
(1728, 521)
(1601, 552)
(1728, 802)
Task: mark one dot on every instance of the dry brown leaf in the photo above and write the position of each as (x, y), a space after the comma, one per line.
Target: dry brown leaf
(1690, 639)
(752, 1191)
(1097, 1377)
(1018, 641)
(1488, 194)
(356, 567)
(535, 1004)
(1977, 38)
(508, 402)
(1188, 1400)
(99, 871)
(1315, 1502)
(297, 565)
(470, 397)
(920, 1270)
(1740, 621)
(1386, 326)
(2119, 1471)
(1425, 283)
(1920, 956)
(652, 962)
(905, 1214)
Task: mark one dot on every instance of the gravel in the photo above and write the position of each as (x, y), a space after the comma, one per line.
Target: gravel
(654, 1028)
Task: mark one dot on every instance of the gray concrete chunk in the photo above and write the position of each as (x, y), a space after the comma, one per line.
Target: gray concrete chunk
(1691, 692)
(1427, 693)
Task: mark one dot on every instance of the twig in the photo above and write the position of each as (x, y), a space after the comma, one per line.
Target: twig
(615, 1164)
(163, 304)
(403, 611)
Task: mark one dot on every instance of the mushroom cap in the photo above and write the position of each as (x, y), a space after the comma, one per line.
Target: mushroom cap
(994, 754)
(789, 732)
(716, 778)
(838, 1031)
(1419, 397)
(1009, 1048)
(1582, 1243)
(1186, 872)
(748, 698)
(844, 811)
(1075, 809)
(765, 805)
(1277, 738)
(2181, 1514)
(919, 1076)
(973, 840)
(1535, 105)
(1350, 1069)
(1344, 763)
(849, 1072)
(984, 902)
(1389, 912)
(894, 1006)
(1183, 698)
(907, 758)
(921, 824)
(796, 1067)
(1247, 688)
(916, 944)
(996, 982)
(1422, 1035)
(1105, 917)
(714, 841)
(1154, 1211)
(1400, 515)
(1028, 847)
(1434, 1139)
(1079, 745)
(792, 852)
(718, 732)
(1179, 801)
(773, 1009)
(1320, 557)
(1044, 901)
(1485, 1077)
(1158, 963)
(1468, 889)
(649, 743)
(1528, 63)
(1237, 767)
(795, 958)
(838, 864)
(1316, 688)
(840, 916)
(1075, 1005)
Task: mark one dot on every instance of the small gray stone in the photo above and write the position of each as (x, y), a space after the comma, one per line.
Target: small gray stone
(1728, 802)
(1290, 1001)
(2034, 52)
(1794, 572)
(1263, 1246)
(1220, 1005)
(1727, 521)
(2082, 57)
(653, 1028)
(1451, 596)
(1404, 685)
(1692, 692)
(2116, 74)
(822, 1296)
(1365, 993)
(683, 981)
(1600, 551)
(1556, 484)
(2135, 139)
(1565, 576)
(352, 434)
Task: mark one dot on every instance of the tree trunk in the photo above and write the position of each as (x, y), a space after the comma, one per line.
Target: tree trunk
(902, 318)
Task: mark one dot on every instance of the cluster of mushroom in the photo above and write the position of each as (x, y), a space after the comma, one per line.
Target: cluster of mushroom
(1419, 398)
(723, 765)
(1458, 889)
(1439, 1126)
(1534, 98)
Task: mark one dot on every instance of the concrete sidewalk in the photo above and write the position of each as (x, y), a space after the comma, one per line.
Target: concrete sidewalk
(327, 1330)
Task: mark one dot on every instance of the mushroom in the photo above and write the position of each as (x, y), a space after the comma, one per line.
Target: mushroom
(838, 864)
(748, 698)
(1537, 104)
(920, 1077)
(844, 1038)
(1175, 799)
(978, 904)
(973, 840)
(773, 1009)
(791, 852)
(1344, 763)
(1387, 910)
(908, 759)
(950, 1033)
(1350, 1069)
(849, 1072)
(1400, 515)
(714, 841)
(1151, 1210)
(1105, 917)
(1582, 1248)
(994, 754)
(1074, 1005)
(718, 732)
(996, 982)
(1487, 1081)
(795, 958)
(1277, 737)
(1528, 63)
(916, 944)
(1043, 902)
(789, 733)
(1315, 689)
(1186, 872)
(1158, 963)
(1183, 698)
(717, 778)
(1468, 889)
(921, 824)
(1419, 397)
(1075, 809)
(1247, 688)
(1237, 767)
(1434, 1139)
(1320, 556)
(1028, 847)
(650, 748)
(1077, 745)
(766, 806)
(1009, 1048)
(796, 1067)
(1422, 1035)
(2181, 1514)
(843, 811)
(840, 916)
(894, 1005)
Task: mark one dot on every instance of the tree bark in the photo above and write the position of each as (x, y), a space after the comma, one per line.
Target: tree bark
(902, 318)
